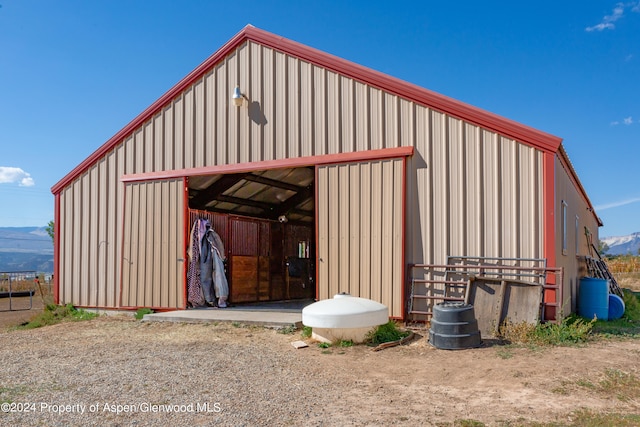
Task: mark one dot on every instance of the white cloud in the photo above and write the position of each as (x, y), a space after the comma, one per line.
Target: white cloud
(617, 204)
(10, 175)
(626, 121)
(617, 13)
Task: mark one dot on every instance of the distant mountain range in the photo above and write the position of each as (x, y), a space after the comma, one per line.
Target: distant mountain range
(31, 248)
(623, 245)
(25, 249)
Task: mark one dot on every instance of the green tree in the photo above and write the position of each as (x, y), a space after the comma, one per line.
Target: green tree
(603, 248)
(50, 229)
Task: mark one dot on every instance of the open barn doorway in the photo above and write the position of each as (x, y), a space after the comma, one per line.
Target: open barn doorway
(266, 221)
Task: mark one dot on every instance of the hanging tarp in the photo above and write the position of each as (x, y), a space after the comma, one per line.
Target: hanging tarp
(206, 281)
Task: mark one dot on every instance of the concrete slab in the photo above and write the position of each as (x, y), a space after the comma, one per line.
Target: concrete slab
(263, 317)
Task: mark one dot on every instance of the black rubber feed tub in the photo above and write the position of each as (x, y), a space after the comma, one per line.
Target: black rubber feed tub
(454, 326)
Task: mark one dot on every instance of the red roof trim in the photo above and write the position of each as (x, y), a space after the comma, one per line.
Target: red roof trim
(325, 159)
(411, 92)
(573, 176)
(418, 94)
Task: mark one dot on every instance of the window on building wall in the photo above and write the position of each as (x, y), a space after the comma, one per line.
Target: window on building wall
(564, 228)
(577, 235)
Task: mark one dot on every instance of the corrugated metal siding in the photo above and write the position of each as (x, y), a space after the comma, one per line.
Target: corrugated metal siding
(467, 190)
(577, 244)
(245, 237)
(153, 246)
(471, 192)
(360, 214)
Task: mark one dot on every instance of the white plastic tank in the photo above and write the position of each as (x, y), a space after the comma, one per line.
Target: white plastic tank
(344, 317)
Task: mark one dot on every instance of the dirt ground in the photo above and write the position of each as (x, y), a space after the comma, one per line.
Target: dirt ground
(22, 310)
(414, 384)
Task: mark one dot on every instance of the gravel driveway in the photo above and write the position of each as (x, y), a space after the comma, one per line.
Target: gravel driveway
(114, 371)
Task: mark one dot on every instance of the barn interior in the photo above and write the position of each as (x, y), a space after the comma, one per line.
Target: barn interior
(266, 220)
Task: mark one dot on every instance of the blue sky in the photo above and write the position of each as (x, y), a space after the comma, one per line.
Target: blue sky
(73, 73)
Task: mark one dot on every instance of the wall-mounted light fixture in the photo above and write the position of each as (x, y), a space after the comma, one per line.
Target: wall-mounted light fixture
(238, 97)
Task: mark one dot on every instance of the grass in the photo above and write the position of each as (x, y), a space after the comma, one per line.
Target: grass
(628, 324)
(574, 330)
(624, 386)
(288, 330)
(388, 332)
(54, 314)
(571, 330)
(142, 311)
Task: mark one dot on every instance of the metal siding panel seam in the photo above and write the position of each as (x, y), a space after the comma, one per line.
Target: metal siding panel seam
(377, 121)
(256, 103)
(200, 122)
(322, 220)
(346, 114)
(268, 104)
(158, 141)
(293, 110)
(440, 166)
(391, 121)
(365, 230)
(126, 246)
(355, 216)
(306, 109)
(94, 260)
(386, 260)
(149, 147)
(209, 119)
(361, 116)
(399, 218)
(221, 117)
(320, 111)
(83, 223)
(343, 227)
(334, 237)
(167, 139)
(232, 141)
(376, 232)
(186, 124)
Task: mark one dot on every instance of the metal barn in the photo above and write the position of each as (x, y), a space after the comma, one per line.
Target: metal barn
(362, 175)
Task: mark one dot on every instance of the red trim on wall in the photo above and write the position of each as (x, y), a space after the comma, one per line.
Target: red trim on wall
(317, 248)
(56, 249)
(549, 224)
(187, 240)
(357, 156)
(411, 92)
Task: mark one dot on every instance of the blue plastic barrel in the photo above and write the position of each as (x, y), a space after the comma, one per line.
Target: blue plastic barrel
(593, 298)
(616, 307)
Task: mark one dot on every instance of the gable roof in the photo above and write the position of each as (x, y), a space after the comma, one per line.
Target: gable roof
(509, 128)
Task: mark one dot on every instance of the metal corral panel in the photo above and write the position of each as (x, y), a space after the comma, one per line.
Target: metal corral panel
(360, 221)
(153, 248)
(472, 192)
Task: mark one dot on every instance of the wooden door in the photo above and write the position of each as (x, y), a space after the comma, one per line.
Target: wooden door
(249, 260)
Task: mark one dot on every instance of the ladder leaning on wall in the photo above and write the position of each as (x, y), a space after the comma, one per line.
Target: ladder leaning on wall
(598, 268)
